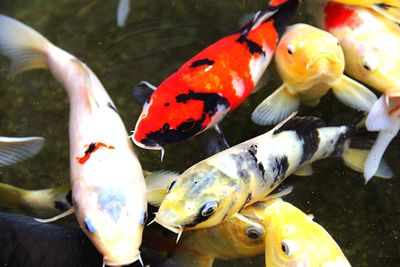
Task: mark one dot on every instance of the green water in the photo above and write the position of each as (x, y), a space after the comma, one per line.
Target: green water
(158, 38)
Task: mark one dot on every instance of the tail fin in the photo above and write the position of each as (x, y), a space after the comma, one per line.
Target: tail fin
(16, 149)
(22, 44)
(355, 155)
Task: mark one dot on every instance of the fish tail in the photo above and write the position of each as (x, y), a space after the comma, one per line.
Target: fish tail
(25, 47)
(356, 152)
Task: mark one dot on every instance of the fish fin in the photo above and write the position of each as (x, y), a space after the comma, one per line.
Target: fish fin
(124, 6)
(354, 94)
(157, 186)
(142, 91)
(305, 170)
(374, 164)
(221, 135)
(213, 144)
(276, 107)
(356, 159)
(188, 258)
(16, 149)
(55, 218)
(23, 45)
(378, 117)
(282, 193)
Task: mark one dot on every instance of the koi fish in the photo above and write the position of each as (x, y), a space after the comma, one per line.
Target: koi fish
(368, 41)
(16, 149)
(292, 238)
(310, 62)
(108, 189)
(217, 188)
(212, 83)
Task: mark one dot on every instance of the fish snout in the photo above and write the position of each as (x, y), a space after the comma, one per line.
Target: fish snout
(121, 256)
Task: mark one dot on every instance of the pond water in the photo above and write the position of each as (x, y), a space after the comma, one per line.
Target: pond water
(159, 36)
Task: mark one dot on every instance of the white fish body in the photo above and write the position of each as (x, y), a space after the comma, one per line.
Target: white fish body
(108, 188)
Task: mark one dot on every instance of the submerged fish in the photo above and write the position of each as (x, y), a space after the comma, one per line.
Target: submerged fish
(214, 82)
(16, 149)
(292, 238)
(218, 187)
(108, 189)
(310, 62)
(369, 42)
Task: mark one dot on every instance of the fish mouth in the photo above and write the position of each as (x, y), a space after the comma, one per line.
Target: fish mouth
(122, 263)
(150, 144)
(175, 229)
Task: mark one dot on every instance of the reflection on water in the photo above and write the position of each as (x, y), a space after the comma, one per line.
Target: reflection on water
(158, 37)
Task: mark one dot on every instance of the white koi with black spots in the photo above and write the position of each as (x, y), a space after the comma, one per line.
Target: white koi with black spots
(218, 187)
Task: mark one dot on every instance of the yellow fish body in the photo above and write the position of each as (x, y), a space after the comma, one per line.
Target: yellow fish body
(292, 238)
(108, 189)
(370, 43)
(310, 61)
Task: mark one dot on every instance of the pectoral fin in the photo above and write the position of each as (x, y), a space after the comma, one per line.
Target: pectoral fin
(16, 149)
(378, 117)
(354, 94)
(305, 170)
(276, 107)
(188, 258)
(142, 91)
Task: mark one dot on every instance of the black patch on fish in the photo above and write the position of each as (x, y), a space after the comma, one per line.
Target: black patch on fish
(201, 62)
(340, 145)
(280, 165)
(306, 129)
(112, 107)
(248, 199)
(90, 149)
(61, 206)
(141, 92)
(167, 104)
(258, 164)
(190, 127)
(383, 6)
(253, 46)
(68, 197)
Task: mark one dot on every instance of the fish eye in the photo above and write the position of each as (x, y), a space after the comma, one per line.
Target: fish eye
(187, 125)
(254, 232)
(370, 63)
(338, 43)
(209, 208)
(171, 185)
(288, 247)
(291, 49)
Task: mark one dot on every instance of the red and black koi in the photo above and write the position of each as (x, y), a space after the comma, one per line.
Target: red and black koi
(214, 82)
(90, 149)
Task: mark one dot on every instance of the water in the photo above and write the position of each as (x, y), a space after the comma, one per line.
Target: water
(158, 38)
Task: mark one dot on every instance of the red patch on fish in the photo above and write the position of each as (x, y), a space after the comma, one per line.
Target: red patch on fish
(93, 147)
(276, 2)
(339, 15)
(393, 110)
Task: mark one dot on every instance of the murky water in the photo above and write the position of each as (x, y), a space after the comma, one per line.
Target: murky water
(159, 36)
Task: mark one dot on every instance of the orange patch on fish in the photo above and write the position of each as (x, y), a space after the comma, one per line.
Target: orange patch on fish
(393, 110)
(90, 149)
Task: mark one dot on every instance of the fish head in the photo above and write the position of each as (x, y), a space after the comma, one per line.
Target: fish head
(169, 117)
(114, 221)
(374, 64)
(203, 196)
(294, 239)
(306, 56)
